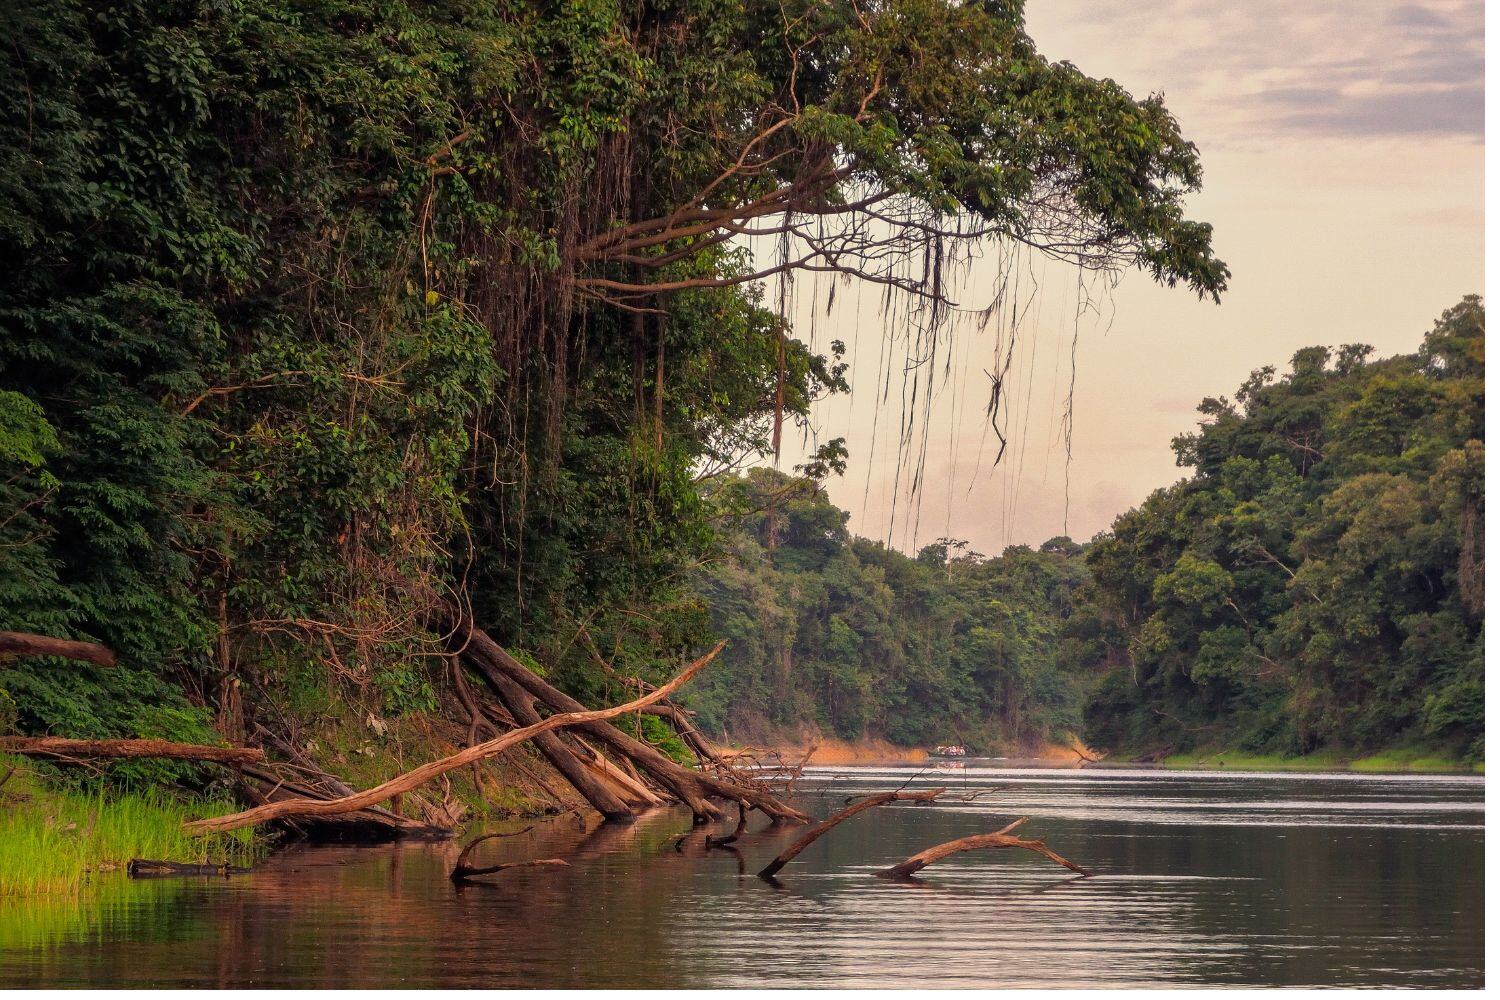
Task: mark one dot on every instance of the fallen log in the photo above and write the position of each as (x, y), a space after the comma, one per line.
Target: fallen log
(373, 824)
(802, 842)
(692, 788)
(628, 787)
(421, 775)
(596, 792)
(144, 868)
(29, 644)
(1000, 838)
(61, 748)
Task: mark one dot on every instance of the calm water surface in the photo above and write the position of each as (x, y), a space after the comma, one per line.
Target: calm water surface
(1204, 879)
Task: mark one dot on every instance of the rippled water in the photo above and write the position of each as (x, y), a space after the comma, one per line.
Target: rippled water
(1203, 879)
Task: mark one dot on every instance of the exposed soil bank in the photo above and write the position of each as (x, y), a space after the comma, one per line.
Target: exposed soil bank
(831, 750)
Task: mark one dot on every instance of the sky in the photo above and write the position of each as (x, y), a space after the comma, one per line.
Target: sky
(1342, 147)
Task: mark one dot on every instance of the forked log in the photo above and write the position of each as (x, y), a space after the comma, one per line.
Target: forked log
(61, 748)
(433, 769)
(802, 842)
(30, 644)
(469, 873)
(1000, 838)
(462, 872)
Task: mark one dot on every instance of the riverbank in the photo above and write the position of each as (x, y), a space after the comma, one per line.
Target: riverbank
(833, 751)
(1413, 760)
(55, 837)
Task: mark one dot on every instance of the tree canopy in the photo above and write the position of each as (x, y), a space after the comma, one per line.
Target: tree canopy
(1318, 581)
(318, 313)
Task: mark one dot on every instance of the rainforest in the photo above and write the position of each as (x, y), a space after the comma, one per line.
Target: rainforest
(380, 379)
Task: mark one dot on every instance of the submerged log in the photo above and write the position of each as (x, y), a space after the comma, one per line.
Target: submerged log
(729, 838)
(30, 644)
(802, 842)
(471, 873)
(462, 871)
(1000, 838)
(144, 868)
(433, 769)
(61, 748)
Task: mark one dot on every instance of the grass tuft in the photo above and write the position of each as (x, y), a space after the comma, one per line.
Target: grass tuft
(57, 838)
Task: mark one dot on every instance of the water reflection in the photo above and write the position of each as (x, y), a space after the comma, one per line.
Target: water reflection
(1203, 879)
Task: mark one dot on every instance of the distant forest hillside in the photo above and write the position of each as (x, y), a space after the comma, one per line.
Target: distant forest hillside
(858, 639)
(1316, 582)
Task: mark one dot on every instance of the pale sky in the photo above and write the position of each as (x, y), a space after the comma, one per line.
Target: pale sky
(1342, 145)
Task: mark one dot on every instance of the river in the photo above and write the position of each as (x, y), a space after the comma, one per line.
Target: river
(1203, 879)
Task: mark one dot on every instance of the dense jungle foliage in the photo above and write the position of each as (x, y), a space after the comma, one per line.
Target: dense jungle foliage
(1317, 583)
(847, 637)
(1319, 580)
(322, 319)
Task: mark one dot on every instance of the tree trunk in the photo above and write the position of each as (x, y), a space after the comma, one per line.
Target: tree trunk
(61, 748)
(599, 795)
(28, 644)
(693, 788)
(373, 824)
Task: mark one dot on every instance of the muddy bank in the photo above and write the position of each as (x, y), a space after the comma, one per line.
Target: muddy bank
(831, 750)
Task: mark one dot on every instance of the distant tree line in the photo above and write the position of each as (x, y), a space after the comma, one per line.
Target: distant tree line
(1316, 582)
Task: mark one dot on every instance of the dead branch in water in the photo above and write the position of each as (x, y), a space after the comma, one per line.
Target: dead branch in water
(466, 874)
(61, 748)
(782, 859)
(29, 644)
(1000, 838)
(730, 838)
(462, 872)
(421, 775)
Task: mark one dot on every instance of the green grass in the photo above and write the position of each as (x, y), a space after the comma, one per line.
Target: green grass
(1408, 759)
(57, 838)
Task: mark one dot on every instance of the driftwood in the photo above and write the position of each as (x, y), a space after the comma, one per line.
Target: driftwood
(28, 644)
(462, 872)
(421, 775)
(143, 868)
(802, 842)
(1001, 838)
(58, 747)
(693, 788)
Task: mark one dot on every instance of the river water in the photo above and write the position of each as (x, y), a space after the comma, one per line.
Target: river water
(1202, 879)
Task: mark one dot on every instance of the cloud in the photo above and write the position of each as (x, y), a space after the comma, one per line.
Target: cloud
(1457, 111)
(1287, 68)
